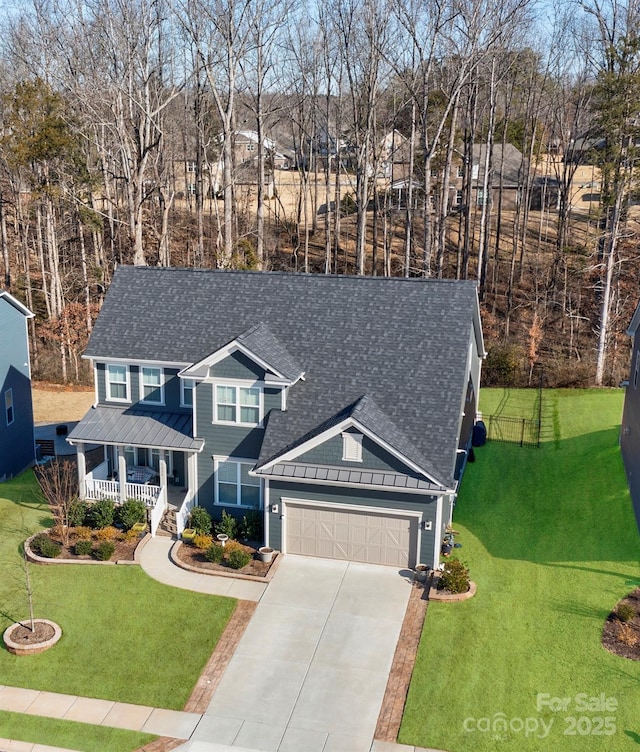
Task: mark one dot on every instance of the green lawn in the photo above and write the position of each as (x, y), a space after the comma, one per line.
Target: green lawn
(552, 543)
(70, 735)
(125, 637)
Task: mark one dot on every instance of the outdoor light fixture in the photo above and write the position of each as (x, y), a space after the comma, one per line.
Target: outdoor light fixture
(426, 524)
(274, 508)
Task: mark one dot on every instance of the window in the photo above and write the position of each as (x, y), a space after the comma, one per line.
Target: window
(151, 386)
(480, 197)
(191, 166)
(8, 406)
(251, 147)
(186, 396)
(238, 404)
(352, 447)
(234, 485)
(117, 383)
(458, 198)
(191, 189)
(433, 172)
(460, 171)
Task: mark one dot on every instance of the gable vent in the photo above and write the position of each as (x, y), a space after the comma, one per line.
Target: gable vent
(352, 447)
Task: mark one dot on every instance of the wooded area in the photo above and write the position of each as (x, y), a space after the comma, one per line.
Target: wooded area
(486, 139)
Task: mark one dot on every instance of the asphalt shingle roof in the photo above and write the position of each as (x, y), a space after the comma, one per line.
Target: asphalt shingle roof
(401, 342)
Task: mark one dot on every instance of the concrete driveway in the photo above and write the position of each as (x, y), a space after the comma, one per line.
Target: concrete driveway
(310, 672)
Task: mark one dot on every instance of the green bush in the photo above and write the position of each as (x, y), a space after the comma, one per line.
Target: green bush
(625, 612)
(102, 513)
(77, 512)
(455, 577)
(228, 525)
(132, 511)
(238, 558)
(214, 553)
(251, 526)
(200, 520)
(104, 551)
(42, 545)
(83, 547)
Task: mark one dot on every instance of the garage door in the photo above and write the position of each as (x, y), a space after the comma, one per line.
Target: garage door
(375, 538)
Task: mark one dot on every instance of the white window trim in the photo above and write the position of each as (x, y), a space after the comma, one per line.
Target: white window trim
(9, 393)
(351, 447)
(141, 382)
(182, 391)
(239, 385)
(107, 383)
(238, 461)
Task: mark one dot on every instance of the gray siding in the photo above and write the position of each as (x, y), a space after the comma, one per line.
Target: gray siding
(171, 389)
(374, 457)
(237, 366)
(630, 430)
(16, 440)
(363, 497)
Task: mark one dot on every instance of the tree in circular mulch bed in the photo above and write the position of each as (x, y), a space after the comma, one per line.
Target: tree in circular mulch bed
(621, 632)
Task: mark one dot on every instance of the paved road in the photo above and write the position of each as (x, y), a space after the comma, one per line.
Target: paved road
(311, 669)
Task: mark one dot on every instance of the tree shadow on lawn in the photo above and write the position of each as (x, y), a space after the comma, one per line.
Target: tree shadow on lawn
(633, 736)
(564, 502)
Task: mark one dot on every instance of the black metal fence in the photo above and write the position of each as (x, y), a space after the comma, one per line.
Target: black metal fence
(522, 431)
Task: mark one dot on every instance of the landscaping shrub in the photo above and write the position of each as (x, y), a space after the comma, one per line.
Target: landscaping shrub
(238, 558)
(105, 551)
(628, 635)
(44, 546)
(102, 513)
(232, 545)
(130, 536)
(83, 547)
(200, 520)
(251, 526)
(77, 512)
(56, 533)
(203, 542)
(214, 553)
(455, 577)
(83, 533)
(228, 525)
(132, 511)
(625, 612)
(106, 533)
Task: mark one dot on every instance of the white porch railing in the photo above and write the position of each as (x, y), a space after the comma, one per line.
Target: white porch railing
(182, 515)
(110, 489)
(158, 510)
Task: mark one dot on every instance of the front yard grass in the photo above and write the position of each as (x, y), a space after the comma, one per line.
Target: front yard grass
(69, 734)
(551, 540)
(125, 636)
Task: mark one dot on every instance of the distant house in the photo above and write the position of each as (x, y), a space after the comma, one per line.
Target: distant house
(17, 446)
(245, 162)
(630, 429)
(340, 408)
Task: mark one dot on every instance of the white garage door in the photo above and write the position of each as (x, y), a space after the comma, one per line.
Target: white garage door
(375, 538)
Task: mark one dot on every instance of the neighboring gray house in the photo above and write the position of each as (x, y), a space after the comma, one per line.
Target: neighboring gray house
(340, 406)
(17, 446)
(630, 430)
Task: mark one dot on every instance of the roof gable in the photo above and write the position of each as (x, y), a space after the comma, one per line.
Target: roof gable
(8, 298)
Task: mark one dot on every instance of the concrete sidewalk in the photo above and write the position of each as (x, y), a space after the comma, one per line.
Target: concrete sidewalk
(158, 721)
(154, 559)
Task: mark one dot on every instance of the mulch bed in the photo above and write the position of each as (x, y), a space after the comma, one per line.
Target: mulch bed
(23, 634)
(621, 638)
(194, 557)
(124, 551)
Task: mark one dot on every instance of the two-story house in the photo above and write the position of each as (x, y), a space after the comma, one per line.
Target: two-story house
(341, 407)
(17, 446)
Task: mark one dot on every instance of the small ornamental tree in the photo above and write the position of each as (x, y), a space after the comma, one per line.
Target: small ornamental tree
(59, 488)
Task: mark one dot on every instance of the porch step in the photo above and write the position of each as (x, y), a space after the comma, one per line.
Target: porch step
(168, 526)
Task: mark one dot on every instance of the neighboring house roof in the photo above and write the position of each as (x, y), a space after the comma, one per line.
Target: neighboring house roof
(507, 162)
(401, 342)
(134, 427)
(8, 298)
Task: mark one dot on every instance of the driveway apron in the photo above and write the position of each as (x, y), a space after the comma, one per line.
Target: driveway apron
(311, 669)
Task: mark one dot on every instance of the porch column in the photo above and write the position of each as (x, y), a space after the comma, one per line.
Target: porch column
(190, 480)
(163, 469)
(82, 471)
(122, 474)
